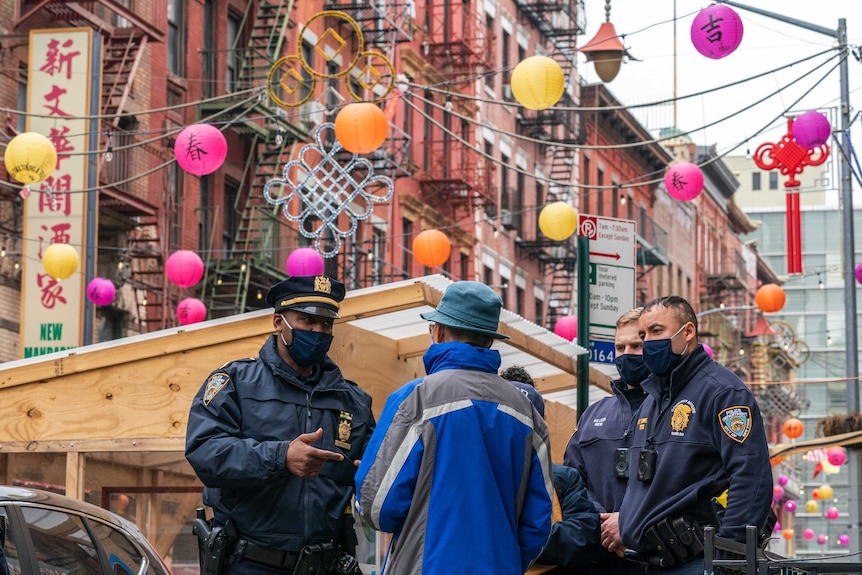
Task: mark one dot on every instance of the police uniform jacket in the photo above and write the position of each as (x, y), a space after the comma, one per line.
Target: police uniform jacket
(240, 425)
(459, 470)
(606, 425)
(708, 433)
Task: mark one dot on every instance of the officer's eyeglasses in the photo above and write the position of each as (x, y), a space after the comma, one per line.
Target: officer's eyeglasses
(431, 327)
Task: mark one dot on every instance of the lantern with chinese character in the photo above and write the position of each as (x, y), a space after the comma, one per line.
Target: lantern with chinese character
(30, 158)
(361, 127)
(431, 248)
(191, 310)
(716, 31)
(558, 220)
(684, 181)
(836, 455)
(811, 129)
(770, 298)
(538, 82)
(184, 268)
(200, 149)
(101, 291)
(304, 262)
(793, 428)
(567, 327)
(60, 261)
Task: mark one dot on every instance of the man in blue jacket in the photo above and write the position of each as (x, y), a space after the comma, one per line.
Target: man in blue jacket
(459, 465)
(274, 439)
(698, 432)
(599, 448)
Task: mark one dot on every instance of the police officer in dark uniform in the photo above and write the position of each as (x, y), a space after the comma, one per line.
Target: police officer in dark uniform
(276, 439)
(698, 432)
(599, 447)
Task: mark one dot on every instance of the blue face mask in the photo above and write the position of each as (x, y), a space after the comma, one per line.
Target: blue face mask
(308, 347)
(632, 368)
(659, 356)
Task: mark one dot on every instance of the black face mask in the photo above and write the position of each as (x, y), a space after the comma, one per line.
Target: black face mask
(632, 368)
(659, 356)
(308, 347)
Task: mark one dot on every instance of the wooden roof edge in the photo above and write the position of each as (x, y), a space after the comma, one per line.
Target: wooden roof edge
(843, 439)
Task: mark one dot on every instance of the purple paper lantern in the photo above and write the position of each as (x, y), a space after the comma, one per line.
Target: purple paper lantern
(782, 480)
(101, 291)
(843, 540)
(200, 149)
(304, 262)
(567, 327)
(859, 272)
(716, 31)
(811, 129)
(184, 268)
(808, 534)
(191, 310)
(790, 506)
(777, 527)
(708, 349)
(832, 513)
(822, 539)
(684, 181)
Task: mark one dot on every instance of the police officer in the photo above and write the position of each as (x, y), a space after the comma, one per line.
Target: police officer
(698, 432)
(599, 447)
(276, 439)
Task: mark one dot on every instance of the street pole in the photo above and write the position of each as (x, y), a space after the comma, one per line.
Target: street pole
(583, 388)
(851, 365)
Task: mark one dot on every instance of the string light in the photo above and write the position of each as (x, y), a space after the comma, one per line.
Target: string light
(623, 199)
(828, 338)
(243, 267)
(259, 294)
(819, 282)
(109, 153)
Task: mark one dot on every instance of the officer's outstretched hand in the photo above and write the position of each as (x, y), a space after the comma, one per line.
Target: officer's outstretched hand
(303, 460)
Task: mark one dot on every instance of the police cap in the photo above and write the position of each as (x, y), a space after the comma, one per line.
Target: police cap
(315, 295)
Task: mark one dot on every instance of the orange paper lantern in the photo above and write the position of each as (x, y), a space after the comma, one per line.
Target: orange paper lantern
(361, 127)
(431, 248)
(770, 298)
(793, 428)
(787, 534)
(776, 460)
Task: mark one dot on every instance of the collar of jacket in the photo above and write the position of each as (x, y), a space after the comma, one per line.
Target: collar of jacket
(684, 373)
(458, 355)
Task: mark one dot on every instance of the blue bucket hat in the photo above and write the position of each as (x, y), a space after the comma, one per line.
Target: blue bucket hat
(469, 305)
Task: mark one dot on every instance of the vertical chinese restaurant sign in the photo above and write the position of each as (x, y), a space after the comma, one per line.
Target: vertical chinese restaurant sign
(58, 97)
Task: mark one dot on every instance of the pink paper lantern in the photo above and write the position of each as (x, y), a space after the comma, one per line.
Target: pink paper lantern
(836, 455)
(832, 513)
(811, 129)
(708, 349)
(859, 272)
(790, 506)
(777, 527)
(184, 268)
(567, 327)
(304, 262)
(716, 31)
(101, 291)
(843, 540)
(808, 534)
(822, 539)
(777, 493)
(191, 310)
(200, 149)
(782, 480)
(684, 181)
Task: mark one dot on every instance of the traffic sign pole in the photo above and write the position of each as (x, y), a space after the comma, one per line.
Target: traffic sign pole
(583, 389)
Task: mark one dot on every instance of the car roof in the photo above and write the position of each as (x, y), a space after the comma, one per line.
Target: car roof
(15, 494)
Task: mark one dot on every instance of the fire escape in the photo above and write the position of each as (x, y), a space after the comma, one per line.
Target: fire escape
(456, 39)
(124, 210)
(560, 22)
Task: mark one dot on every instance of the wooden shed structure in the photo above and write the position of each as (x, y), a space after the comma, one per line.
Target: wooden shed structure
(106, 423)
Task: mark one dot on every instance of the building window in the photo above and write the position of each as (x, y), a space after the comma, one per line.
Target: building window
(518, 201)
(773, 180)
(615, 201)
(537, 310)
(175, 175)
(520, 296)
(208, 52)
(233, 51)
(406, 240)
(21, 123)
(465, 266)
(489, 24)
(488, 274)
(755, 180)
(176, 37)
(230, 219)
(585, 180)
(600, 193)
(504, 182)
(505, 62)
(490, 208)
(428, 113)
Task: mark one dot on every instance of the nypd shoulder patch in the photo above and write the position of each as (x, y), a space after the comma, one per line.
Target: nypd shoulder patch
(215, 384)
(736, 422)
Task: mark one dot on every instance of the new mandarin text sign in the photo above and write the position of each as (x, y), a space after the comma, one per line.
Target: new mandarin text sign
(58, 96)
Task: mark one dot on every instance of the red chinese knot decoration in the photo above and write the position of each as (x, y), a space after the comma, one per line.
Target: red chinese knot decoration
(790, 159)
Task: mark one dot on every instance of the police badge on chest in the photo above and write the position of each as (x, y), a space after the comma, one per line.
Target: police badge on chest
(344, 430)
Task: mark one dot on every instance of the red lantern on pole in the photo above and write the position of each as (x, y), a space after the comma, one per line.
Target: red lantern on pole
(770, 298)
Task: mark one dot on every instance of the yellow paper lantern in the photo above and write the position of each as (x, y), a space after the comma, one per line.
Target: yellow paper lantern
(558, 220)
(538, 82)
(30, 158)
(812, 506)
(826, 492)
(60, 261)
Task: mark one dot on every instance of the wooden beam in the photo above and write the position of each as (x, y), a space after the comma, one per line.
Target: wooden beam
(91, 445)
(75, 475)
